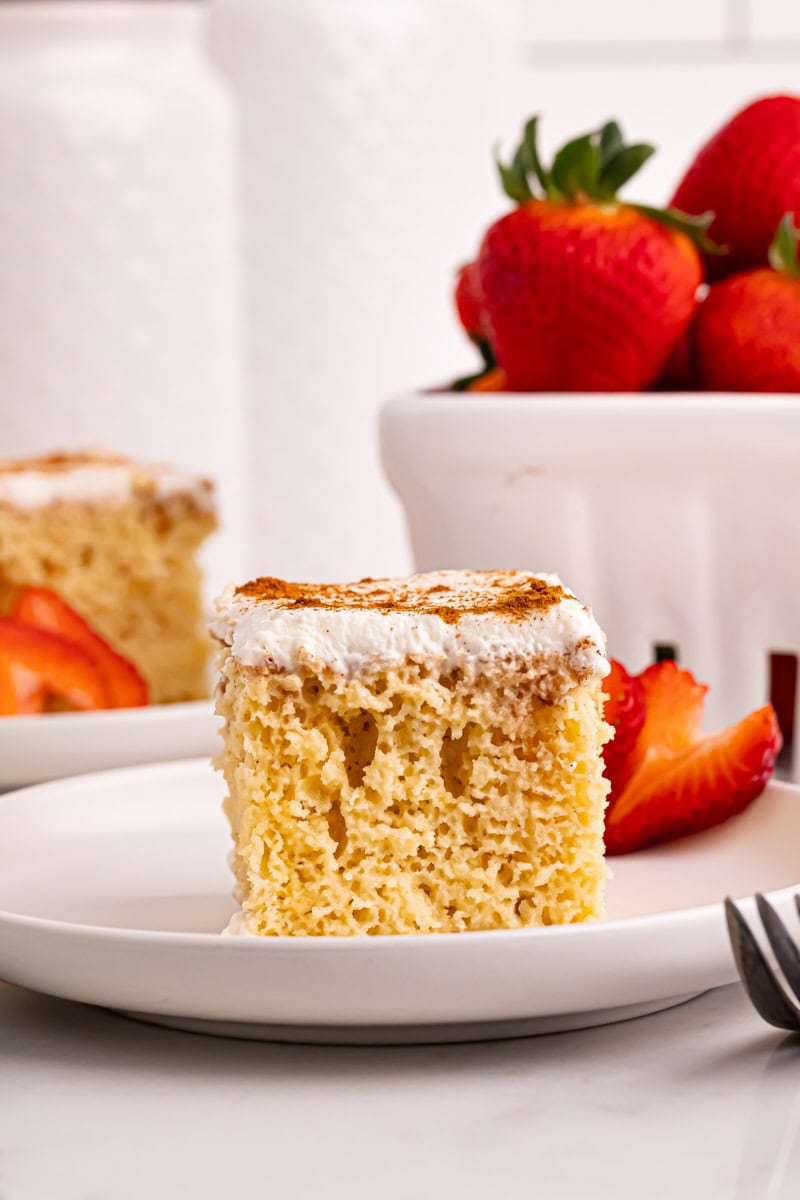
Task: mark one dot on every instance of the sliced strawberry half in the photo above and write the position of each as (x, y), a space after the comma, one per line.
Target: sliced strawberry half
(681, 782)
(63, 669)
(625, 711)
(45, 609)
(674, 703)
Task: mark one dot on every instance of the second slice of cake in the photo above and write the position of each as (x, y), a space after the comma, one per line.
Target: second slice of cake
(118, 541)
(413, 756)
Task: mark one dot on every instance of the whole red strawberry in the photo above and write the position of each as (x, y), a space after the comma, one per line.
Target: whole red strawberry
(468, 299)
(748, 175)
(469, 303)
(581, 292)
(747, 332)
(680, 369)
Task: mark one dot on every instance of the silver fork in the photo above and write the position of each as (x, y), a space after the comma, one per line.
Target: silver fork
(767, 994)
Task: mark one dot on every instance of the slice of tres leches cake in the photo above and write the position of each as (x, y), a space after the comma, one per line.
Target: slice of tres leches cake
(118, 541)
(412, 755)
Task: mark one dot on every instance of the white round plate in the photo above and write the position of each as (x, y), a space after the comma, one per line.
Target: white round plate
(51, 745)
(114, 887)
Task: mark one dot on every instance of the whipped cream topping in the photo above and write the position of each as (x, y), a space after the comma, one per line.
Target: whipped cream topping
(87, 478)
(451, 619)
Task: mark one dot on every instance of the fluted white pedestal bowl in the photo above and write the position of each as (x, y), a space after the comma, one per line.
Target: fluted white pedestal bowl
(677, 517)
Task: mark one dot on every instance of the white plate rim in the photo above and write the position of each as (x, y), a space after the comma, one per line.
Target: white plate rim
(141, 714)
(327, 988)
(618, 926)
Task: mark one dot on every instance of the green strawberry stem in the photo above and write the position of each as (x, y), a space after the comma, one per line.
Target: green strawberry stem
(695, 228)
(487, 353)
(784, 253)
(465, 382)
(489, 363)
(592, 169)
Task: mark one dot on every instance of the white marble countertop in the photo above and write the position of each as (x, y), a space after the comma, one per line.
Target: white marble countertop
(698, 1103)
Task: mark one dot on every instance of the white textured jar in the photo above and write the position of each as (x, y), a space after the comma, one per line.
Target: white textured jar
(367, 128)
(119, 295)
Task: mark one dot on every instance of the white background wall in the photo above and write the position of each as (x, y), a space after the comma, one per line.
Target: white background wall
(366, 129)
(671, 72)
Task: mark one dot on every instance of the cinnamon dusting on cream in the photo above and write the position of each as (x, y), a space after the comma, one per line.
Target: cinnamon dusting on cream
(62, 461)
(448, 620)
(97, 477)
(510, 595)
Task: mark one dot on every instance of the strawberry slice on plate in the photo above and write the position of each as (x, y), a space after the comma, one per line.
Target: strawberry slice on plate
(681, 781)
(673, 701)
(45, 609)
(625, 712)
(21, 691)
(64, 670)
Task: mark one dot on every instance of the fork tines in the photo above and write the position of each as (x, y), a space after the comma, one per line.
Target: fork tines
(767, 993)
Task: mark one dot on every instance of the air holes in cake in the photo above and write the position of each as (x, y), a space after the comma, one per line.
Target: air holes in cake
(456, 763)
(665, 652)
(470, 826)
(337, 827)
(532, 750)
(783, 697)
(359, 739)
(506, 875)
(311, 689)
(451, 680)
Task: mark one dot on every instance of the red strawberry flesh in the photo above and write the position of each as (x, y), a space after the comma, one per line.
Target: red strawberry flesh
(748, 175)
(469, 301)
(681, 782)
(21, 691)
(64, 669)
(625, 712)
(584, 298)
(45, 609)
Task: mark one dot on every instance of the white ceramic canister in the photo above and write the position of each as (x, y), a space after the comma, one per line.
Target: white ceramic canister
(367, 129)
(119, 293)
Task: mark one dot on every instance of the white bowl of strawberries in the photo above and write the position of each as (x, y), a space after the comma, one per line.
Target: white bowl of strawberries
(635, 426)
